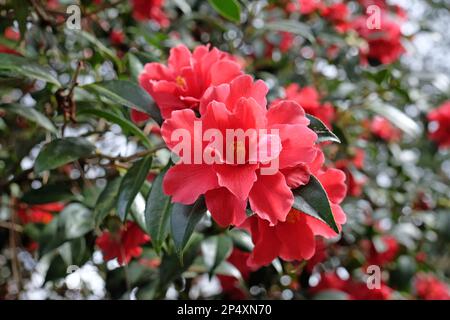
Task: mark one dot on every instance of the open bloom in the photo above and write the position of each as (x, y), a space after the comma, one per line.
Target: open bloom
(440, 125)
(182, 83)
(293, 239)
(384, 43)
(229, 173)
(338, 14)
(308, 98)
(39, 213)
(124, 244)
(428, 287)
(150, 10)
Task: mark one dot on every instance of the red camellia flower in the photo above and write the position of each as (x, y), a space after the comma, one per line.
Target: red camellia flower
(428, 287)
(337, 14)
(387, 253)
(354, 290)
(304, 6)
(308, 98)
(382, 128)
(150, 10)
(355, 180)
(182, 83)
(40, 213)
(440, 125)
(384, 43)
(124, 244)
(293, 239)
(117, 37)
(227, 184)
(230, 285)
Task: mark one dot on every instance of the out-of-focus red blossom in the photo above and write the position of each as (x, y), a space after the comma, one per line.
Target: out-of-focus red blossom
(440, 118)
(285, 41)
(230, 285)
(319, 256)
(354, 182)
(354, 290)
(139, 116)
(428, 287)
(117, 37)
(383, 129)
(304, 6)
(182, 83)
(308, 98)
(421, 257)
(228, 186)
(293, 239)
(338, 14)
(144, 10)
(387, 254)
(11, 34)
(39, 213)
(384, 44)
(124, 244)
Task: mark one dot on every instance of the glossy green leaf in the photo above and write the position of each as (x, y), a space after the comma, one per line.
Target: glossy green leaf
(313, 200)
(15, 66)
(184, 219)
(291, 26)
(157, 213)
(107, 200)
(322, 131)
(216, 250)
(62, 151)
(30, 114)
(131, 184)
(125, 124)
(128, 94)
(229, 9)
(52, 192)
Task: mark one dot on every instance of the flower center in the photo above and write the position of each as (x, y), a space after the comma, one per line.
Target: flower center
(180, 81)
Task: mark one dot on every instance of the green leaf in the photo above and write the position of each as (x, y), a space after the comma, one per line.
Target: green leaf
(53, 192)
(229, 9)
(106, 201)
(397, 118)
(62, 151)
(131, 184)
(184, 219)
(322, 131)
(157, 213)
(128, 94)
(77, 220)
(135, 66)
(216, 250)
(30, 114)
(313, 200)
(291, 26)
(15, 66)
(21, 10)
(125, 124)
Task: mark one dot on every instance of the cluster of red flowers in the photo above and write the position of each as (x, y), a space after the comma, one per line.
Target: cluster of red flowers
(39, 213)
(439, 119)
(428, 287)
(209, 86)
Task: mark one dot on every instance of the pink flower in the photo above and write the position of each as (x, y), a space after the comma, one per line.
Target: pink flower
(150, 10)
(428, 287)
(308, 98)
(227, 186)
(382, 128)
(124, 244)
(182, 83)
(440, 117)
(293, 239)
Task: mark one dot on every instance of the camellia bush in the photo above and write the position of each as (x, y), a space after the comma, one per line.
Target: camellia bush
(232, 149)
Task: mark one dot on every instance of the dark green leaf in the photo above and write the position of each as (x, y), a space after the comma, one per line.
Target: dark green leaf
(15, 66)
(62, 151)
(323, 133)
(30, 114)
(216, 250)
(128, 94)
(106, 201)
(183, 222)
(126, 125)
(291, 26)
(313, 200)
(57, 269)
(229, 9)
(21, 10)
(131, 184)
(48, 193)
(157, 213)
